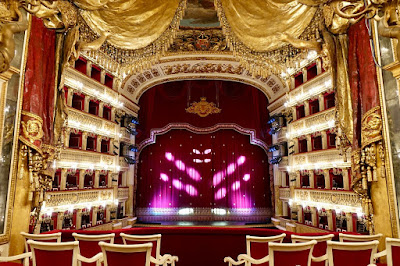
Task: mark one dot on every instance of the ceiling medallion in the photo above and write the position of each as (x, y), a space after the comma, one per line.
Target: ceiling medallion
(203, 108)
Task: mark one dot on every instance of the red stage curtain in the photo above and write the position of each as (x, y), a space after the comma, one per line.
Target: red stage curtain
(218, 170)
(240, 104)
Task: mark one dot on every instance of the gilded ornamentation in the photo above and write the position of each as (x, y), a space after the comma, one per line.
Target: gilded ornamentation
(203, 108)
(274, 60)
(344, 198)
(202, 68)
(7, 31)
(160, 131)
(371, 127)
(199, 40)
(33, 130)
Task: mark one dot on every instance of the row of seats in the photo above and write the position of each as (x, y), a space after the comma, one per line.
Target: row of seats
(48, 250)
(351, 250)
(354, 250)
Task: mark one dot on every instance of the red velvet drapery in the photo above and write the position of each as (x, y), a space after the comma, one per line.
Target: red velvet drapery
(38, 100)
(362, 78)
(240, 104)
(215, 170)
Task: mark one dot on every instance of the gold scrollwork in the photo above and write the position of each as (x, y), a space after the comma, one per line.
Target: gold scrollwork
(33, 130)
(203, 108)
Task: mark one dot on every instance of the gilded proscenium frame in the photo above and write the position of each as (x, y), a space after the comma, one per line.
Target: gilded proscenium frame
(394, 219)
(5, 237)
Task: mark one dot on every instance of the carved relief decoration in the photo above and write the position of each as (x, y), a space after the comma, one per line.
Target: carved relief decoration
(203, 108)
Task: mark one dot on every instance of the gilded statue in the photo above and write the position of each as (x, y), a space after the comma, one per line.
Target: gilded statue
(73, 45)
(7, 43)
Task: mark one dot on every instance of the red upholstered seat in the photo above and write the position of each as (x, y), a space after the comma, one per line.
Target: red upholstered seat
(89, 244)
(259, 250)
(392, 252)
(352, 254)
(292, 258)
(155, 240)
(257, 247)
(280, 254)
(352, 257)
(121, 259)
(51, 258)
(129, 255)
(320, 249)
(395, 255)
(60, 254)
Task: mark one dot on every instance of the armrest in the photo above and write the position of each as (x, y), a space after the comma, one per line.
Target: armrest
(380, 254)
(95, 258)
(319, 259)
(170, 259)
(161, 261)
(232, 261)
(247, 258)
(16, 257)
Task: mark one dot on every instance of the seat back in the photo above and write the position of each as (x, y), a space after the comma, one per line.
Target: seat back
(351, 253)
(50, 254)
(257, 246)
(89, 244)
(121, 255)
(55, 237)
(143, 239)
(393, 251)
(320, 249)
(358, 238)
(289, 254)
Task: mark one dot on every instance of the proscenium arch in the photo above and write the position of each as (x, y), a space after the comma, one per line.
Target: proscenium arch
(211, 67)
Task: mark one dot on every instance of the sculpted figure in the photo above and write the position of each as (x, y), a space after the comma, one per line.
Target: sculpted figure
(7, 43)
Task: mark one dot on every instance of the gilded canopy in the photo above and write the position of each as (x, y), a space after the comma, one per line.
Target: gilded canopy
(133, 24)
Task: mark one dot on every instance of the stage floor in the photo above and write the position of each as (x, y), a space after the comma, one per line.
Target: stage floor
(204, 223)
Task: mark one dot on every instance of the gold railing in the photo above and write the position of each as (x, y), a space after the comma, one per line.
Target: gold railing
(284, 193)
(323, 159)
(66, 198)
(123, 193)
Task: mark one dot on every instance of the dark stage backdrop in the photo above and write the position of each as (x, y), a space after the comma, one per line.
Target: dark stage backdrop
(240, 104)
(215, 170)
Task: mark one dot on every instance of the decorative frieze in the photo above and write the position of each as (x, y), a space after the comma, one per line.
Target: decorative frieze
(123, 193)
(347, 201)
(91, 123)
(62, 200)
(76, 159)
(310, 89)
(313, 123)
(284, 193)
(88, 86)
(323, 159)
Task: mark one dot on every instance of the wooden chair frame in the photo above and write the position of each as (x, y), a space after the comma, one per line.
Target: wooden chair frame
(150, 238)
(287, 247)
(25, 257)
(104, 237)
(348, 246)
(40, 237)
(358, 238)
(299, 239)
(131, 249)
(74, 246)
(390, 242)
(256, 239)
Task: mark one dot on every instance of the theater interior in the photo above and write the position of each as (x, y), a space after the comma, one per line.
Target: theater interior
(257, 132)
